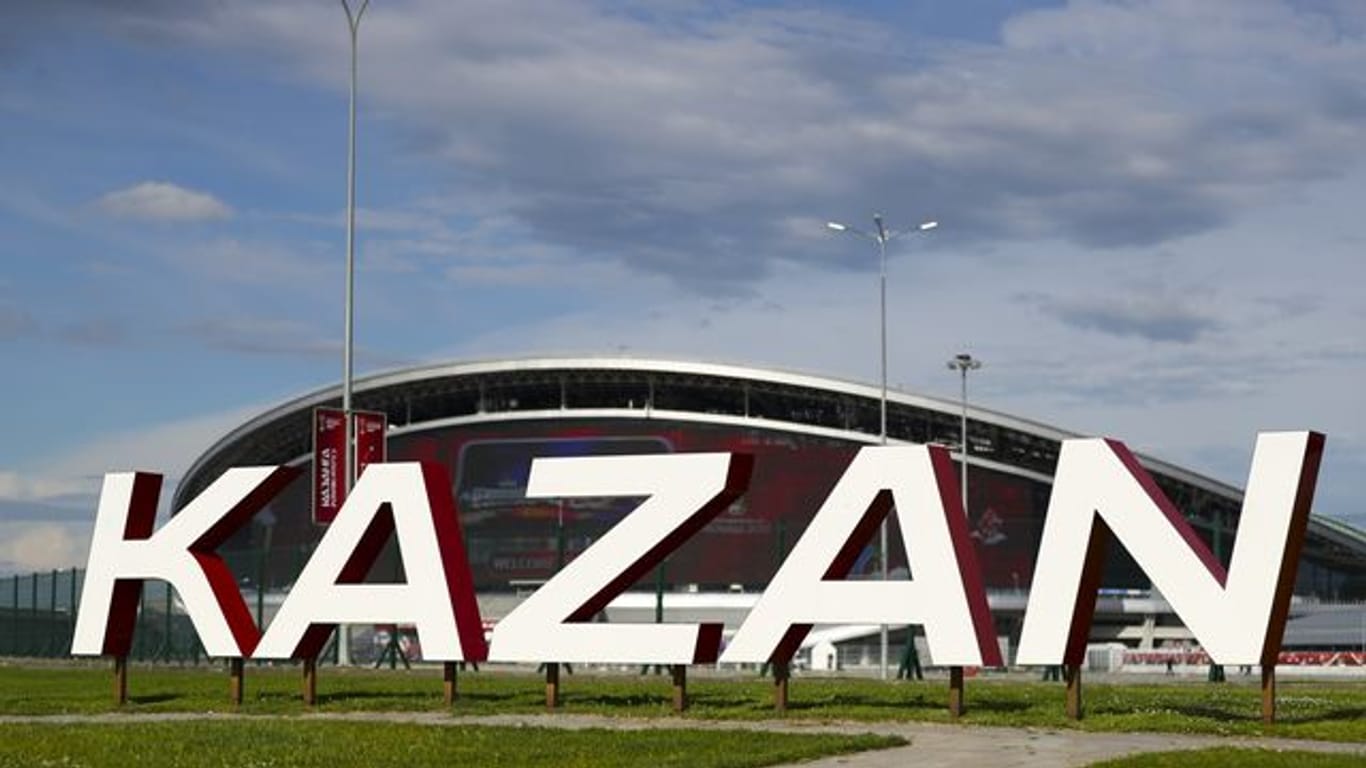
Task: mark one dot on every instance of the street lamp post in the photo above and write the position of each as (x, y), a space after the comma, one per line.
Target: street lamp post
(881, 237)
(963, 362)
(348, 366)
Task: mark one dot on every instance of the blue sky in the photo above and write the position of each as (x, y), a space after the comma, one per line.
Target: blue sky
(1151, 212)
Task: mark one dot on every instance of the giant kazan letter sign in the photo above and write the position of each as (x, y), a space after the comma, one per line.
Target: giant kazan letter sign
(684, 493)
(1237, 615)
(946, 594)
(1099, 490)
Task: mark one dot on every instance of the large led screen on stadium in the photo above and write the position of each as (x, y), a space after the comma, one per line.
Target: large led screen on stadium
(515, 542)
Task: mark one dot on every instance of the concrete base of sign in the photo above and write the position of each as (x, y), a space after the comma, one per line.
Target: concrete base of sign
(955, 692)
(680, 675)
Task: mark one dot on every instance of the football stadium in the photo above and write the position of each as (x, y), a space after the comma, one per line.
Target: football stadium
(486, 421)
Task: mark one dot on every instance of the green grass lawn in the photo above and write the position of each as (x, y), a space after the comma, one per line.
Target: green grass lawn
(333, 744)
(1332, 711)
(1227, 756)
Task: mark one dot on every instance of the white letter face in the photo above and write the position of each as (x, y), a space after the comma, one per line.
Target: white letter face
(946, 595)
(685, 492)
(124, 552)
(413, 501)
(1238, 617)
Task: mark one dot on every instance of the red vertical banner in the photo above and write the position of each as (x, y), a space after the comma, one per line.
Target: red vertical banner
(329, 455)
(371, 443)
(329, 463)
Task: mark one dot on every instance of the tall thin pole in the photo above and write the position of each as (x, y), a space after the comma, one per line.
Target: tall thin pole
(882, 260)
(963, 440)
(882, 432)
(348, 364)
(881, 236)
(963, 363)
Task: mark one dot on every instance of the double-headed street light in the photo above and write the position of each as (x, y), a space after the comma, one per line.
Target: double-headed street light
(881, 236)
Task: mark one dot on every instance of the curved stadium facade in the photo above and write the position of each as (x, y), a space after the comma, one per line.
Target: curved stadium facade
(486, 421)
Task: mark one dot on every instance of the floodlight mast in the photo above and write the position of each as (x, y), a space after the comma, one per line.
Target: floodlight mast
(964, 362)
(881, 238)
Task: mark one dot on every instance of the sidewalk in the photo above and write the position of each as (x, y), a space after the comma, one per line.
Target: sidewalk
(945, 746)
(948, 746)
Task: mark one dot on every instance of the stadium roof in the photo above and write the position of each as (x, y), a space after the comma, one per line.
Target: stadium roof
(433, 396)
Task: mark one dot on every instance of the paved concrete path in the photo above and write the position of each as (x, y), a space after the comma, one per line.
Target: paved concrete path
(943, 746)
(931, 746)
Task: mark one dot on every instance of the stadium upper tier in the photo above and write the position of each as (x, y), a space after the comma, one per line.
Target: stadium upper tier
(640, 395)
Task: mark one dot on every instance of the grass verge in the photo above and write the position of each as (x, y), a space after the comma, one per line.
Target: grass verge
(336, 744)
(1328, 711)
(1225, 756)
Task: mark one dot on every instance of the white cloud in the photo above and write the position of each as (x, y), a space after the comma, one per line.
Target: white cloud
(1155, 170)
(27, 547)
(1198, 403)
(163, 201)
(25, 487)
(682, 141)
(1159, 318)
(47, 509)
(73, 478)
(256, 262)
(267, 336)
(15, 322)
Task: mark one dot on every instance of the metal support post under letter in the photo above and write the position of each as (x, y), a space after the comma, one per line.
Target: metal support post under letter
(1074, 706)
(955, 692)
(235, 686)
(310, 682)
(552, 685)
(450, 682)
(120, 680)
(781, 672)
(1268, 694)
(680, 675)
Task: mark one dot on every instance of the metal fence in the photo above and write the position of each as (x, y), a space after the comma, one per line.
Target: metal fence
(38, 618)
(37, 613)
(38, 610)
